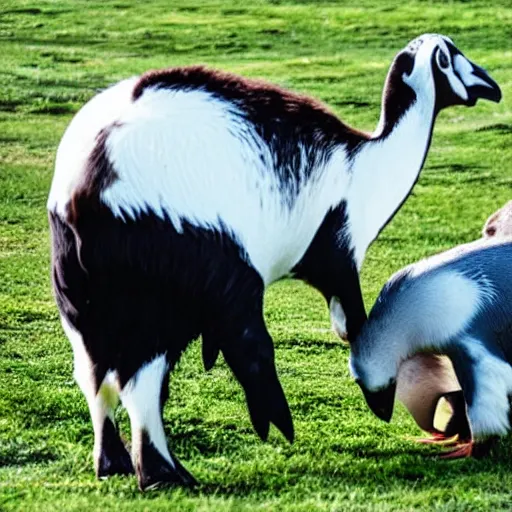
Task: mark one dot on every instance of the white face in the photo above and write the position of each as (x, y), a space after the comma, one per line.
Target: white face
(437, 55)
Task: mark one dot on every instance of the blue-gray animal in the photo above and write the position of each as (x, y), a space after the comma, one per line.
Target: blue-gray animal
(457, 303)
(425, 379)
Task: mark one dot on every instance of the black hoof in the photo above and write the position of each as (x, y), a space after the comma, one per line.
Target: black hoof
(267, 404)
(114, 458)
(253, 365)
(153, 471)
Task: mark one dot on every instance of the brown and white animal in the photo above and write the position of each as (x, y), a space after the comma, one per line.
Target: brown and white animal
(179, 195)
(422, 381)
(499, 223)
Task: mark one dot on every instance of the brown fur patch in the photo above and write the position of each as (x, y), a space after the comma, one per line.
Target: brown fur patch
(261, 101)
(98, 175)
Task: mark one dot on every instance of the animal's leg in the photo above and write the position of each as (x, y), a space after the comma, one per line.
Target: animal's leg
(142, 398)
(337, 278)
(486, 382)
(110, 454)
(250, 355)
(458, 423)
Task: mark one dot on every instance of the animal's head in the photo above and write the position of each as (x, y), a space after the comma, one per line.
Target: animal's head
(499, 223)
(374, 364)
(432, 64)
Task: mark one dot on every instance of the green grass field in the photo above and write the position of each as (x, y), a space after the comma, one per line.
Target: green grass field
(54, 55)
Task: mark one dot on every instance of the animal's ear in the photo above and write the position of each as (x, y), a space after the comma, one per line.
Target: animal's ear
(490, 225)
(338, 318)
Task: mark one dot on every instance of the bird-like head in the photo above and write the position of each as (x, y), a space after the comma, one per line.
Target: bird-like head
(376, 376)
(381, 346)
(456, 80)
(431, 68)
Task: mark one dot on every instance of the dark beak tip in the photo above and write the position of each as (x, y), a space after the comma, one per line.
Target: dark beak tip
(383, 414)
(381, 402)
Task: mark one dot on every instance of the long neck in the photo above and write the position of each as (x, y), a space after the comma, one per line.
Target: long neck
(388, 165)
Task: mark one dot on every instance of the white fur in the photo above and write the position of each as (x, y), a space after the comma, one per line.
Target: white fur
(141, 398)
(193, 157)
(489, 412)
(101, 404)
(446, 302)
(385, 170)
(338, 318)
(79, 137)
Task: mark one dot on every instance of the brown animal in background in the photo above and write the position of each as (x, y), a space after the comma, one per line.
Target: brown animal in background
(499, 223)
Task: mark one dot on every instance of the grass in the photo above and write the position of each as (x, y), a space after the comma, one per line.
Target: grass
(54, 55)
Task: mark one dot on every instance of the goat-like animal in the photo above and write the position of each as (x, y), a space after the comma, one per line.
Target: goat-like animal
(178, 196)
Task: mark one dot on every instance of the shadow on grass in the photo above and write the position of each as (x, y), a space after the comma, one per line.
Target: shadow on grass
(310, 344)
(454, 167)
(15, 453)
(498, 127)
(376, 467)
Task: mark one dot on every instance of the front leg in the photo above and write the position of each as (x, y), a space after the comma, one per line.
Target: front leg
(347, 309)
(329, 265)
(484, 379)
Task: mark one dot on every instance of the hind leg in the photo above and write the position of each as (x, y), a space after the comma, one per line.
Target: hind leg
(143, 397)
(110, 454)
(251, 359)
(238, 330)
(248, 349)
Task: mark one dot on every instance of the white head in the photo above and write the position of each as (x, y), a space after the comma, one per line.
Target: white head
(431, 68)
(456, 79)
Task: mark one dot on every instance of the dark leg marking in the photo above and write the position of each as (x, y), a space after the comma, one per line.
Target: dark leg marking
(458, 423)
(251, 359)
(210, 351)
(114, 459)
(154, 471)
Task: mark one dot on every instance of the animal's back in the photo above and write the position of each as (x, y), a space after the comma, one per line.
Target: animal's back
(445, 294)
(216, 151)
(489, 263)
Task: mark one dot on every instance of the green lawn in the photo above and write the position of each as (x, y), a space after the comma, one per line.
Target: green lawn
(54, 55)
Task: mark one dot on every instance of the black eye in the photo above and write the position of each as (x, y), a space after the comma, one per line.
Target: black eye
(443, 60)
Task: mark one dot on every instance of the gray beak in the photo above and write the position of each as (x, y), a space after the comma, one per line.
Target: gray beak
(476, 80)
(486, 89)
(381, 402)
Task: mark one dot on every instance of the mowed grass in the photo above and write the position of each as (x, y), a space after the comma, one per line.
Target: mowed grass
(55, 55)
